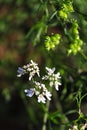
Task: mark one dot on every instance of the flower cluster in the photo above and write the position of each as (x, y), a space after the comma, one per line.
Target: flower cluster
(52, 41)
(65, 10)
(76, 42)
(31, 68)
(40, 90)
(53, 78)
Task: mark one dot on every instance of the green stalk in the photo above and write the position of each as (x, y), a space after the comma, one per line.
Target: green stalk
(46, 115)
(83, 55)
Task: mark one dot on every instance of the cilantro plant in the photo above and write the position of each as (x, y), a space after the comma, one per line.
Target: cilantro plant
(58, 14)
(46, 40)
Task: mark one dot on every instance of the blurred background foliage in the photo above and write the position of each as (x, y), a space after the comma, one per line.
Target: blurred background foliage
(23, 26)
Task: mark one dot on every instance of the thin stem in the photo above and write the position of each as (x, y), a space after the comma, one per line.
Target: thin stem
(84, 56)
(46, 115)
(59, 108)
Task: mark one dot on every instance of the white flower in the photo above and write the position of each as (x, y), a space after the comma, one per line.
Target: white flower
(37, 93)
(57, 84)
(41, 98)
(58, 75)
(45, 77)
(47, 94)
(35, 67)
(84, 127)
(42, 92)
(53, 78)
(32, 68)
(40, 86)
(54, 81)
(32, 73)
(40, 89)
(50, 71)
(51, 83)
(74, 128)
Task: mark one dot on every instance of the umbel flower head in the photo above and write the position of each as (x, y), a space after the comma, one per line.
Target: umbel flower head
(31, 68)
(53, 78)
(51, 41)
(39, 89)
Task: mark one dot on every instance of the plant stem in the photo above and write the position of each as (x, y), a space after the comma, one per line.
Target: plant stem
(59, 108)
(45, 115)
(84, 56)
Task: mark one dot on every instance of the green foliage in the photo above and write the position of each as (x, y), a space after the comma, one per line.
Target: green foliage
(66, 9)
(52, 33)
